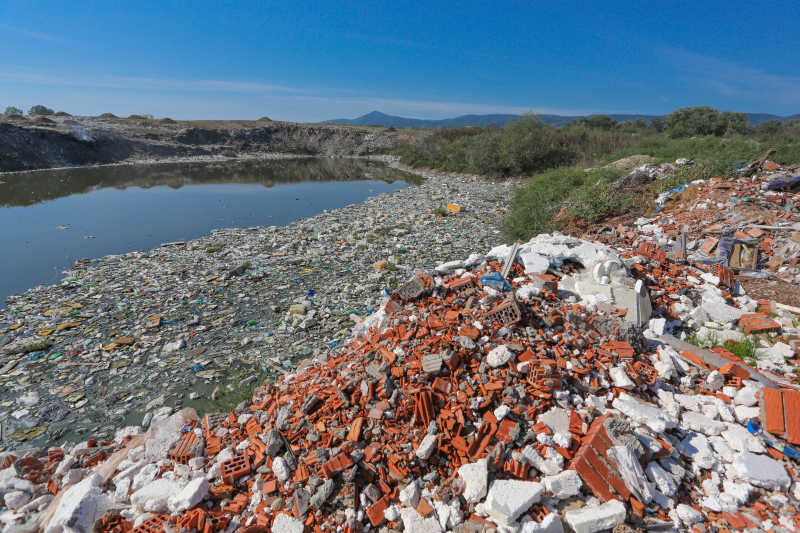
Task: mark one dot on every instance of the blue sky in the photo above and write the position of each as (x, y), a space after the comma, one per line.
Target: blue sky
(314, 60)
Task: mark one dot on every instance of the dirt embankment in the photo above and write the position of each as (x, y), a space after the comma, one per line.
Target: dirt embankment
(69, 141)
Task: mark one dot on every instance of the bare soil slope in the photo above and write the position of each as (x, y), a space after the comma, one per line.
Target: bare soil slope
(27, 144)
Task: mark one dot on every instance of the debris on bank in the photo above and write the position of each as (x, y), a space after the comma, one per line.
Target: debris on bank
(198, 324)
(554, 385)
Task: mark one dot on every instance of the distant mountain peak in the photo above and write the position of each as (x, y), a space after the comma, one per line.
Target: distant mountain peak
(374, 114)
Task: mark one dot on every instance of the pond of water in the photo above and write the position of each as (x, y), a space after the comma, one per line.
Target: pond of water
(49, 219)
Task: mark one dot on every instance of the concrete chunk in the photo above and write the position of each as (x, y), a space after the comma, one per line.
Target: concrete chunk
(549, 524)
(284, 523)
(631, 472)
(413, 522)
(643, 413)
(564, 485)
(698, 449)
(620, 378)
(475, 477)
(508, 499)
(746, 396)
(426, 447)
(688, 515)
(153, 496)
(597, 517)
(702, 424)
(79, 507)
(662, 479)
(189, 496)
(16, 499)
(742, 440)
(499, 356)
(762, 471)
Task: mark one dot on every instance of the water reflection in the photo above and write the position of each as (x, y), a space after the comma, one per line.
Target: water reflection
(28, 188)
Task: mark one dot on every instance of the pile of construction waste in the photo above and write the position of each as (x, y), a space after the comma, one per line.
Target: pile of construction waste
(554, 385)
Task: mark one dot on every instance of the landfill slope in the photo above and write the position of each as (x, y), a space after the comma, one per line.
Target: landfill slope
(77, 141)
(553, 385)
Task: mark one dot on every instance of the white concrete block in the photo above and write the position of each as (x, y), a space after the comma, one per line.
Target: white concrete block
(413, 522)
(662, 479)
(742, 440)
(189, 496)
(409, 496)
(597, 517)
(281, 469)
(476, 478)
(746, 396)
(715, 380)
(549, 524)
(155, 494)
(688, 515)
(620, 378)
(79, 507)
(761, 471)
(16, 499)
(643, 413)
(564, 485)
(121, 490)
(284, 523)
(744, 414)
(697, 449)
(427, 446)
(508, 499)
(702, 424)
(499, 356)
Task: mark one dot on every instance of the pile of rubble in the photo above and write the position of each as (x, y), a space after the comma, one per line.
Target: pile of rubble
(550, 386)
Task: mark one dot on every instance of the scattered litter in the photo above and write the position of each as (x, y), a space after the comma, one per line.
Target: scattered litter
(527, 402)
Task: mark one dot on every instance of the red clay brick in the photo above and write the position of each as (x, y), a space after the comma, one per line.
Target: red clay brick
(791, 410)
(773, 411)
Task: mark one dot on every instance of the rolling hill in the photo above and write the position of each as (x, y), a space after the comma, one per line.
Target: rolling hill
(376, 118)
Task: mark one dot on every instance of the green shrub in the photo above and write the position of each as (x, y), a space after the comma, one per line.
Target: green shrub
(689, 121)
(536, 205)
(12, 111)
(40, 110)
(521, 147)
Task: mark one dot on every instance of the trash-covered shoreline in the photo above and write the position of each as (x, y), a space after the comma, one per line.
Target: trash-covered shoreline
(628, 383)
(201, 323)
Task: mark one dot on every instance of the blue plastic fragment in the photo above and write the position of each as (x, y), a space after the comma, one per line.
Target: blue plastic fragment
(784, 184)
(788, 451)
(496, 281)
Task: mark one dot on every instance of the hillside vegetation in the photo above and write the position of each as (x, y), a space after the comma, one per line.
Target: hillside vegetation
(554, 160)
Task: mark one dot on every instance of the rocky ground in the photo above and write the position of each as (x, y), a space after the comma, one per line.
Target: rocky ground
(48, 142)
(628, 383)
